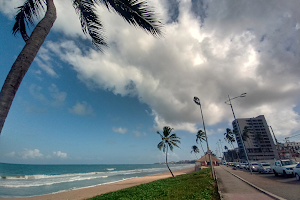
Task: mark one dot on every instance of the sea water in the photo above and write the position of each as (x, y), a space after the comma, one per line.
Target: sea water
(17, 180)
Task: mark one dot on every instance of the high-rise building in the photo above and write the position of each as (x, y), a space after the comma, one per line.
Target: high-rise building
(259, 145)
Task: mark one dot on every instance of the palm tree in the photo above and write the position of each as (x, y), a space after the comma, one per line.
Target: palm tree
(135, 12)
(229, 137)
(168, 141)
(195, 150)
(201, 138)
(245, 136)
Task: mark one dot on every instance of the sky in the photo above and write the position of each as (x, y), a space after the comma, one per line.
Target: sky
(77, 105)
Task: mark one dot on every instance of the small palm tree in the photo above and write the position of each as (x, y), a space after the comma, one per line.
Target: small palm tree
(201, 137)
(168, 141)
(195, 150)
(229, 137)
(246, 136)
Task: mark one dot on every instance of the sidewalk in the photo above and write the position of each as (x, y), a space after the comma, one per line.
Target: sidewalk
(232, 188)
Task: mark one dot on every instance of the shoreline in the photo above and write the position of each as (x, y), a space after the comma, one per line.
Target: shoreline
(89, 192)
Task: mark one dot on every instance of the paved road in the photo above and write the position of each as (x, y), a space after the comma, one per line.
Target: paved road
(233, 188)
(288, 188)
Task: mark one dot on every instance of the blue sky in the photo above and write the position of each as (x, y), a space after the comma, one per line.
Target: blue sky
(77, 105)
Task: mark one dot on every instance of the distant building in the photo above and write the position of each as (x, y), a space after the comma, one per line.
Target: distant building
(260, 144)
(294, 145)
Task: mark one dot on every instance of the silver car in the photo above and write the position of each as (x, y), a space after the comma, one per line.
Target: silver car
(296, 171)
(264, 168)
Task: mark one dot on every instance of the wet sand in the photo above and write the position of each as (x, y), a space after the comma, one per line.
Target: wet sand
(86, 193)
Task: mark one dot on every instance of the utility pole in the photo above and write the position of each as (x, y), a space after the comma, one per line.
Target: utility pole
(197, 101)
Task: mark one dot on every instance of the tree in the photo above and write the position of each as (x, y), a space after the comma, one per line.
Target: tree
(168, 141)
(245, 136)
(229, 137)
(135, 12)
(195, 150)
(201, 137)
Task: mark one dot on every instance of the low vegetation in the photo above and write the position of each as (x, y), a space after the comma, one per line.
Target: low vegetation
(197, 185)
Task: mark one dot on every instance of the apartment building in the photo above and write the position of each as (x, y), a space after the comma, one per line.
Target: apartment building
(260, 144)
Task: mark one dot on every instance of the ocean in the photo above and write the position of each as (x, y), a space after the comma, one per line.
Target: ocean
(17, 180)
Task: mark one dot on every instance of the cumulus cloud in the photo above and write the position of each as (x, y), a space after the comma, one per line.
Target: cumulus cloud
(60, 154)
(119, 130)
(31, 154)
(82, 109)
(219, 49)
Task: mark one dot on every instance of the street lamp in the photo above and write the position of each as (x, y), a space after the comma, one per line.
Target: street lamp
(197, 101)
(239, 131)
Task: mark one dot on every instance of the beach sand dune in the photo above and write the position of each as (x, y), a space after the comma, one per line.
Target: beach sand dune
(86, 193)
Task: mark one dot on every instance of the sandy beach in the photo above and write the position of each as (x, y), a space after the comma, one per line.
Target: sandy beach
(86, 193)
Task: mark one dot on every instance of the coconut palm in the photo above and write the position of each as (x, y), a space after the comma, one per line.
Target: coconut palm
(195, 150)
(245, 136)
(201, 138)
(229, 137)
(168, 141)
(135, 12)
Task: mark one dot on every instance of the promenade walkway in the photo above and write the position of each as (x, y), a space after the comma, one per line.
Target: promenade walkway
(232, 188)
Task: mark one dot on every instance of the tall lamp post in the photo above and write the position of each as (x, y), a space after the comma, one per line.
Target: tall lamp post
(197, 101)
(239, 131)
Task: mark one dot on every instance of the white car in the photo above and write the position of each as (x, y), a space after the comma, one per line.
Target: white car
(264, 168)
(284, 167)
(296, 171)
(254, 166)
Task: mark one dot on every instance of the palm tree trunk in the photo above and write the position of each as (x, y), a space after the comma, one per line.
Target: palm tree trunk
(24, 60)
(167, 161)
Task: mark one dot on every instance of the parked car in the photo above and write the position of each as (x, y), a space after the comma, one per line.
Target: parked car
(264, 168)
(284, 167)
(242, 165)
(296, 171)
(254, 166)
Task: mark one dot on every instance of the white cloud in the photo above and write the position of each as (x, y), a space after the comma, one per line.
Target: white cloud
(253, 49)
(9, 7)
(60, 154)
(82, 109)
(119, 130)
(31, 154)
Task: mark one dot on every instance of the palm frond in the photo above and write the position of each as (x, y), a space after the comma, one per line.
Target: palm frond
(174, 136)
(175, 140)
(24, 17)
(160, 134)
(160, 145)
(137, 13)
(164, 147)
(167, 130)
(170, 145)
(173, 143)
(90, 22)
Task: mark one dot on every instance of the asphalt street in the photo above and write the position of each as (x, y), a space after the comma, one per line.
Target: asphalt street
(288, 188)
